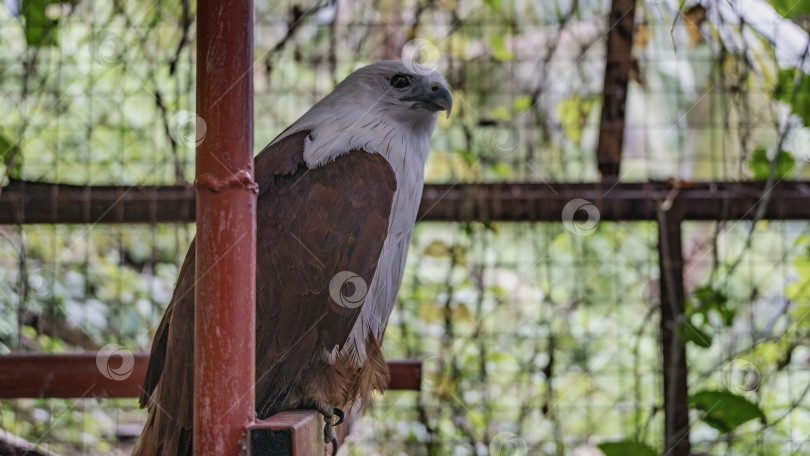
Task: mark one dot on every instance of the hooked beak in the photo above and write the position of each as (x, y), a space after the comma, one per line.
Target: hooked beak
(442, 98)
(437, 98)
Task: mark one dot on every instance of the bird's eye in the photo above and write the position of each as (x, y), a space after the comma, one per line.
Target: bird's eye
(399, 81)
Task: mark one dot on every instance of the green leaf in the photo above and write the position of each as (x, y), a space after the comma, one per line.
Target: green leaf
(8, 152)
(760, 165)
(786, 89)
(791, 8)
(495, 5)
(710, 299)
(690, 333)
(573, 113)
(799, 291)
(626, 448)
(501, 113)
(499, 50)
(40, 30)
(725, 411)
(436, 249)
(522, 103)
(503, 170)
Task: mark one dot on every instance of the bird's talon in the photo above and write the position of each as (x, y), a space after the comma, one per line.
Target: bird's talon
(334, 446)
(341, 416)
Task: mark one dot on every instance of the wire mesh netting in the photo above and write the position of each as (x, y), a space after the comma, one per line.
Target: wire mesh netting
(537, 338)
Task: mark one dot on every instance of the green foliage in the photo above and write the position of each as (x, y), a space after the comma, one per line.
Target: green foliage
(691, 333)
(799, 291)
(494, 5)
(711, 300)
(499, 49)
(8, 152)
(503, 170)
(573, 113)
(41, 20)
(522, 103)
(798, 98)
(725, 411)
(626, 448)
(791, 8)
(760, 165)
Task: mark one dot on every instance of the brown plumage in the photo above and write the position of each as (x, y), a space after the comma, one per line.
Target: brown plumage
(313, 224)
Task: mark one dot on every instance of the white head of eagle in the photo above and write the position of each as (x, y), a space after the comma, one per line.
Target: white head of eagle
(377, 108)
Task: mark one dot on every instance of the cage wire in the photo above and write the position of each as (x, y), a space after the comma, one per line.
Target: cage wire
(536, 338)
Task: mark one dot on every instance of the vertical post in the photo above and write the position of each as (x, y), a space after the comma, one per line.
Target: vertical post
(676, 392)
(225, 299)
(617, 74)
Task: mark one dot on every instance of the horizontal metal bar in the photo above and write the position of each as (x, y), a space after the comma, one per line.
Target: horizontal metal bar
(78, 375)
(111, 374)
(37, 202)
(615, 202)
(28, 203)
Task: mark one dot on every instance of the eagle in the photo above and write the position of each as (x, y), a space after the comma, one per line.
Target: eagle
(339, 191)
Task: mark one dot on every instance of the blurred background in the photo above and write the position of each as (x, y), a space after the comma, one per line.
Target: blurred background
(536, 337)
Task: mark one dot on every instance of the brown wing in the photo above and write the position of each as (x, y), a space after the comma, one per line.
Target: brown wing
(170, 376)
(312, 224)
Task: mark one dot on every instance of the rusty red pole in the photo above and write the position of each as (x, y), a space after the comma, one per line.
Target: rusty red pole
(225, 297)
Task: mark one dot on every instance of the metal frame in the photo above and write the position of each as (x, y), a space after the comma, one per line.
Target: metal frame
(225, 283)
